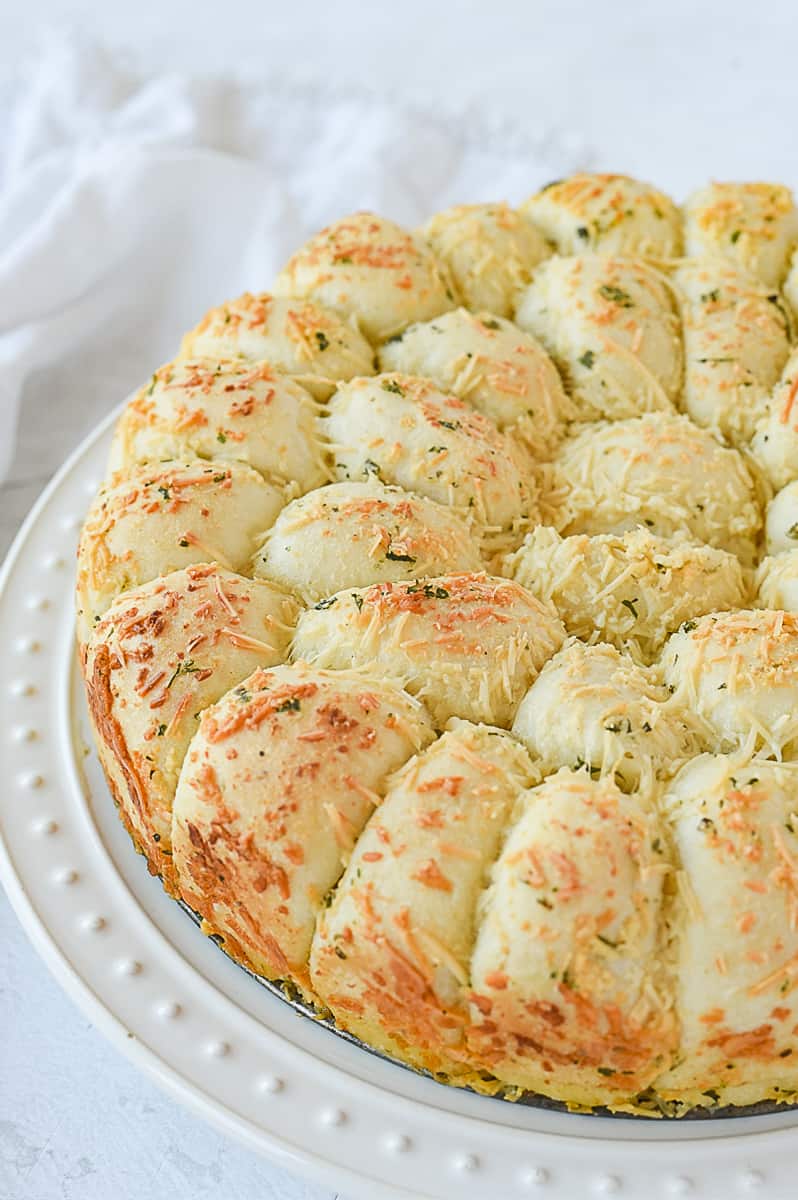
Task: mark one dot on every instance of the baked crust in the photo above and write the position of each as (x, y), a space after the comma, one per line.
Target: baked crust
(489, 747)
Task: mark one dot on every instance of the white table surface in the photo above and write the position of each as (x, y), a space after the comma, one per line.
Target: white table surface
(676, 93)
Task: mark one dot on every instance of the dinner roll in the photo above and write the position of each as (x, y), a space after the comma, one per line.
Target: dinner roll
(775, 441)
(611, 327)
(223, 410)
(777, 581)
(662, 472)
(160, 655)
(735, 931)
(492, 365)
(368, 267)
(781, 520)
(490, 252)
(467, 645)
(755, 225)
(629, 589)
(736, 341)
(156, 519)
(737, 671)
(354, 534)
(569, 989)
(593, 707)
(278, 782)
(295, 337)
(611, 214)
(391, 954)
(404, 431)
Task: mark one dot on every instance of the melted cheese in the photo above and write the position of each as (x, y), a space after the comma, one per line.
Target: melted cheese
(354, 534)
(737, 671)
(157, 519)
(611, 327)
(753, 225)
(775, 442)
(735, 927)
(569, 995)
(402, 430)
(592, 708)
(736, 341)
(315, 346)
(161, 654)
(277, 785)
(369, 268)
(606, 214)
(227, 411)
(391, 954)
(629, 589)
(467, 645)
(490, 252)
(661, 472)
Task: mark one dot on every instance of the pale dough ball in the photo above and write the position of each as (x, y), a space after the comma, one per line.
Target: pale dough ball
(736, 342)
(370, 268)
(629, 589)
(569, 991)
(735, 931)
(662, 472)
(781, 520)
(402, 430)
(609, 214)
(354, 534)
(791, 286)
(611, 326)
(775, 441)
(754, 225)
(593, 707)
(777, 581)
(739, 672)
(226, 411)
(159, 518)
(278, 782)
(494, 366)
(490, 252)
(391, 954)
(160, 655)
(467, 645)
(295, 337)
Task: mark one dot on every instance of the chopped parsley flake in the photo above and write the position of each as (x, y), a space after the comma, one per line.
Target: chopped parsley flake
(321, 339)
(616, 295)
(390, 385)
(184, 668)
(587, 359)
(289, 705)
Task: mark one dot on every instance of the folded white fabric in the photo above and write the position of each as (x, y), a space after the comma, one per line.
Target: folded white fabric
(130, 204)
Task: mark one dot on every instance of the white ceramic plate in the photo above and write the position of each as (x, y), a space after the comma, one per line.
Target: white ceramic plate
(210, 1034)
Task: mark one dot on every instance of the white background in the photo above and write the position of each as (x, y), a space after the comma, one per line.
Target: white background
(675, 92)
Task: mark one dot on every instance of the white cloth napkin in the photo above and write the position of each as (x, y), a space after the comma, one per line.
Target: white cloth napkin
(130, 204)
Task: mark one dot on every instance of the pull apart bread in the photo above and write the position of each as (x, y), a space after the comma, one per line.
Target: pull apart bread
(438, 618)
